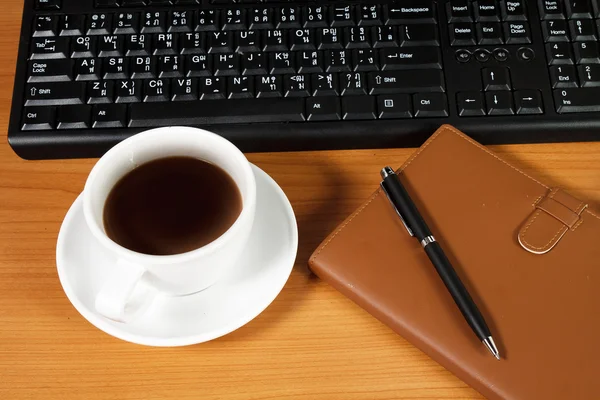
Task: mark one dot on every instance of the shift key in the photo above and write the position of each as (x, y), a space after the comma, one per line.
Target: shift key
(407, 81)
(55, 94)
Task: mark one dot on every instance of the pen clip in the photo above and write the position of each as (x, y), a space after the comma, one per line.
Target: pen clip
(410, 232)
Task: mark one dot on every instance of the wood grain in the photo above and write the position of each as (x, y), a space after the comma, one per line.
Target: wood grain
(311, 343)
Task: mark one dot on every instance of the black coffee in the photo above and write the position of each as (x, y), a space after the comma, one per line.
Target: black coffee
(171, 206)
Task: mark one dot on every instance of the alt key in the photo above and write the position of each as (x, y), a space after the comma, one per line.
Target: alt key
(394, 106)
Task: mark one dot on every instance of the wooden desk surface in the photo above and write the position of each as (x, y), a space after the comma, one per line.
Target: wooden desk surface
(311, 343)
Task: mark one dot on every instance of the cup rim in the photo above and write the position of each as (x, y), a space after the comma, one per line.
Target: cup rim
(246, 213)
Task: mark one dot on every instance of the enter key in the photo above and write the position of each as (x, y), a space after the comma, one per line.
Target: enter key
(410, 58)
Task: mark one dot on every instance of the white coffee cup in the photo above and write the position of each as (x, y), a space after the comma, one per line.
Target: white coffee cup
(137, 277)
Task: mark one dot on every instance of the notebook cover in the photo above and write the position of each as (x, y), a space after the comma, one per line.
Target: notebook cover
(528, 254)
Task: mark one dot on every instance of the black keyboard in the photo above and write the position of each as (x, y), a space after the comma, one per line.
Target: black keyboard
(301, 75)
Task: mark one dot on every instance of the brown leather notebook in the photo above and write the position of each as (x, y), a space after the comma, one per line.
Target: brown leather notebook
(529, 255)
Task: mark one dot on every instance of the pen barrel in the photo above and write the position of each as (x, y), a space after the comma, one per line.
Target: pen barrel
(459, 293)
(405, 206)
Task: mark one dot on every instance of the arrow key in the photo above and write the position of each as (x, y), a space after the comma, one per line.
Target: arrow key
(528, 102)
(496, 78)
(470, 104)
(499, 103)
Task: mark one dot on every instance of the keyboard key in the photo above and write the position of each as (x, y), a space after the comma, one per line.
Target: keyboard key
(323, 109)
(38, 118)
(462, 34)
(116, 68)
(198, 65)
(496, 78)
(192, 43)
(111, 46)
(482, 55)
(356, 37)
(528, 102)
(589, 75)
(486, 10)
(247, 41)
(499, 103)
(227, 64)
(254, 64)
(302, 39)
(559, 53)
(551, 9)
(358, 107)
(128, 91)
(240, 87)
(578, 9)
(365, 60)
(262, 18)
(137, 45)
(143, 67)
(489, 33)
(213, 112)
(49, 48)
(407, 81)
(325, 85)
(513, 10)
(154, 22)
(101, 92)
(170, 67)
(369, 15)
(341, 16)
(207, 21)
(516, 32)
(582, 29)
(180, 21)
(275, 40)
(459, 11)
(234, 19)
(109, 116)
(127, 23)
(393, 106)
(314, 17)
(48, 4)
(586, 53)
(269, 86)
(577, 100)
(87, 69)
(411, 58)
(296, 85)
(184, 89)
(213, 88)
(74, 117)
(309, 61)
(44, 26)
(555, 31)
(166, 44)
(99, 24)
(220, 42)
(409, 11)
(562, 76)
(430, 105)
(353, 84)
(72, 25)
(50, 71)
(337, 61)
(287, 17)
(419, 35)
(384, 36)
(282, 62)
(54, 93)
(470, 104)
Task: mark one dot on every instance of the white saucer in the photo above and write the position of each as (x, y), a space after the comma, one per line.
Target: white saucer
(178, 321)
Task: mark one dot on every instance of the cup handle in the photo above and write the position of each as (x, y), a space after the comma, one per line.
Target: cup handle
(126, 293)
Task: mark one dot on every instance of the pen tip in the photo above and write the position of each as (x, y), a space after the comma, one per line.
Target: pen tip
(489, 343)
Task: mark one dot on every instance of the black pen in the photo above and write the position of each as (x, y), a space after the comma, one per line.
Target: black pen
(416, 226)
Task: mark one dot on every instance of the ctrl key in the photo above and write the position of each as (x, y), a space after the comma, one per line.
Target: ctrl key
(38, 118)
(430, 105)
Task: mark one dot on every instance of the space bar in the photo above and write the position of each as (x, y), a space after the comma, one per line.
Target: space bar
(208, 112)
